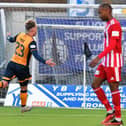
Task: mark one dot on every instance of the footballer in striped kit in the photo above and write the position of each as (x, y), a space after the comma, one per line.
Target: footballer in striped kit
(110, 67)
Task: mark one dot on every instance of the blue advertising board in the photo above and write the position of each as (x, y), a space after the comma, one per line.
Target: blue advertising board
(72, 95)
(50, 95)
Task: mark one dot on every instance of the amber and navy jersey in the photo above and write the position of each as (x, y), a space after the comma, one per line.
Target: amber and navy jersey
(112, 53)
(25, 47)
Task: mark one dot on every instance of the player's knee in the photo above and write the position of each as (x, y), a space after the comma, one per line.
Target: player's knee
(23, 88)
(24, 84)
(23, 91)
(114, 86)
(94, 85)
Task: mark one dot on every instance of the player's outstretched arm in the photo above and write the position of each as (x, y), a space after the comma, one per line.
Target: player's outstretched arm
(39, 58)
(35, 53)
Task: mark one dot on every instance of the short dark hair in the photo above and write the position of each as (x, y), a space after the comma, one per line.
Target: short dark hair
(106, 5)
(29, 24)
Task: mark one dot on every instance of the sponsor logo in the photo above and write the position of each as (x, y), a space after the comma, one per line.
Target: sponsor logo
(33, 46)
(41, 103)
(97, 72)
(115, 33)
(112, 78)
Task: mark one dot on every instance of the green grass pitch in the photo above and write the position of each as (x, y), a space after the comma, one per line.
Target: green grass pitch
(11, 116)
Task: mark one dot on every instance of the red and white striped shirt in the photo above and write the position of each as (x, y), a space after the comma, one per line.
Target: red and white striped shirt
(112, 53)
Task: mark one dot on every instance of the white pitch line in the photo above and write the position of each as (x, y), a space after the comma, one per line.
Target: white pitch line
(54, 115)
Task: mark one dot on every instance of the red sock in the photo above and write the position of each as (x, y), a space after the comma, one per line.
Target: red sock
(116, 103)
(102, 97)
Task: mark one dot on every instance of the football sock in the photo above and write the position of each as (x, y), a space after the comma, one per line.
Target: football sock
(102, 97)
(116, 103)
(23, 97)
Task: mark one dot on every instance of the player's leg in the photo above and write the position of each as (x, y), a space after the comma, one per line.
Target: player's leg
(8, 76)
(102, 98)
(23, 76)
(23, 96)
(113, 78)
(100, 93)
(100, 76)
(23, 93)
(116, 103)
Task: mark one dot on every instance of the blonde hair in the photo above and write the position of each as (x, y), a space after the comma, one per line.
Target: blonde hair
(29, 24)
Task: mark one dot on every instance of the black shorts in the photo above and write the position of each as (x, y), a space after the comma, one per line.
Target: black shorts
(16, 70)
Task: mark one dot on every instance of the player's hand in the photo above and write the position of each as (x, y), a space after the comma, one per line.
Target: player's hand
(50, 63)
(5, 84)
(8, 35)
(94, 62)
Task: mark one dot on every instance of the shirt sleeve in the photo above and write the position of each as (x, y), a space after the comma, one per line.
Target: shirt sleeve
(114, 36)
(33, 49)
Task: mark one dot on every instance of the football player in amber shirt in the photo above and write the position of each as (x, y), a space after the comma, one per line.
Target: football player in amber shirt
(19, 63)
(110, 67)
